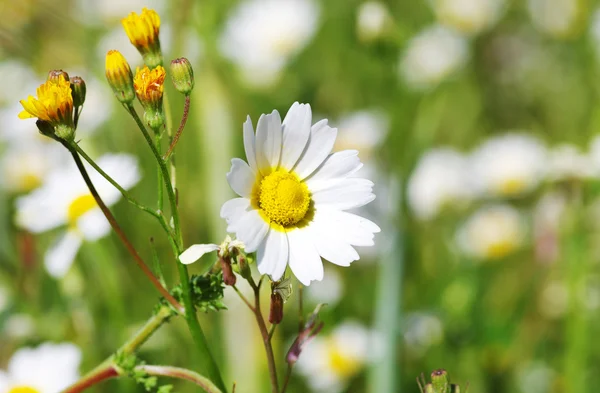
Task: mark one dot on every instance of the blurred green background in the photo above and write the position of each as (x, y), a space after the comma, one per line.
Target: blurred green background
(477, 120)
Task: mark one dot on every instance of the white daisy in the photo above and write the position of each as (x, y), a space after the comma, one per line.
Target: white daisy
(371, 20)
(468, 16)
(195, 252)
(422, 331)
(261, 36)
(64, 200)
(439, 180)
(48, 368)
(558, 18)
(293, 194)
(508, 165)
(433, 56)
(492, 232)
(363, 130)
(566, 162)
(330, 362)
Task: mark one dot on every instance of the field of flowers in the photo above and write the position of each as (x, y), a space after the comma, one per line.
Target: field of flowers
(348, 193)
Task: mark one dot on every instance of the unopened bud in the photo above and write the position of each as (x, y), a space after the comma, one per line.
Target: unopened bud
(78, 91)
(182, 75)
(119, 76)
(45, 128)
(54, 75)
(276, 310)
(228, 275)
(439, 379)
(244, 266)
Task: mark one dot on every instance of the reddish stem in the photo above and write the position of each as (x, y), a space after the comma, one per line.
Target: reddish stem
(186, 112)
(96, 376)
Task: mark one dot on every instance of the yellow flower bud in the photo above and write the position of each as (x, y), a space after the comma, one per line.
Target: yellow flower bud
(142, 31)
(118, 74)
(149, 88)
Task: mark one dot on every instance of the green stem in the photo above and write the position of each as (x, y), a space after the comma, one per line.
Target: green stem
(181, 373)
(208, 362)
(159, 180)
(115, 226)
(169, 126)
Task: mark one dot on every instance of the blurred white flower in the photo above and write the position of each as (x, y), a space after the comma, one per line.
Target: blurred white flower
(439, 180)
(422, 331)
(262, 35)
(558, 18)
(19, 326)
(64, 200)
(468, 16)
(554, 300)
(535, 377)
(329, 362)
(492, 232)
(566, 162)
(508, 165)
(49, 368)
(371, 20)
(330, 290)
(363, 130)
(432, 56)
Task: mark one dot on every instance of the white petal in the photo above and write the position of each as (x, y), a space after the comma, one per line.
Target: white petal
(338, 165)
(268, 142)
(321, 141)
(331, 245)
(93, 225)
(241, 178)
(195, 252)
(40, 211)
(233, 210)
(356, 230)
(345, 194)
(123, 168)
(4, 381)
(249, 144)
(60, 256)
(272, 255)
(296, 131)
(251, 229)
(305, 261)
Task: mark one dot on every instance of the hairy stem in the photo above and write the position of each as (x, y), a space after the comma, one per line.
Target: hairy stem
(181, 373)
(208, 363)
(175, 139)
(113, 223)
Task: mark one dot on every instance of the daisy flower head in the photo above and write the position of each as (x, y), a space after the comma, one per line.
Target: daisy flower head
(567, 162)
(492, 233)
(329, 362)
(508, 165)
(371, 20)
(558, 18)
(262, 35)
(468, 16)
(142, 31)
(293, 194)
(64, 200)
(49, 368)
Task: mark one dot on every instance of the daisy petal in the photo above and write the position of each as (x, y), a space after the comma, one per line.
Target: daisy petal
(93, 225)
(233, 210)
(4, 381)
(330, 245)
(338, 165)
(296, 131)
(249, 144)
(345, 194)
(240, 178)
(60, 256)
(195, 252)
(321, 141)
(305, 261)
(268, 142)
(357, 230)
(251, 229)
(272, 255)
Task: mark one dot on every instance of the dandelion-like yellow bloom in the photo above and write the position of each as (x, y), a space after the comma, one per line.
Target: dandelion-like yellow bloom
(149, 88)
(142, 31)
(54, 103)
(118, 74)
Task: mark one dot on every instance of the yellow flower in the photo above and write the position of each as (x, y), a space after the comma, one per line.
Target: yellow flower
(143, 31)
(54, 104)
(118, 74)
(149, 87)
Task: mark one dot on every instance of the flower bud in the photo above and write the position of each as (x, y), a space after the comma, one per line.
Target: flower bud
(54, 75)
(78, 90)
(142, 31)
(45, 128)
(149, 88)
(276, 310)
(439, 379)
(244, 266)
(182, 75)
(118, 74)
(228, 275)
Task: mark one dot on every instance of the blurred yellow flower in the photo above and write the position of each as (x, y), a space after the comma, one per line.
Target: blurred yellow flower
(142, 31)
(53, 104)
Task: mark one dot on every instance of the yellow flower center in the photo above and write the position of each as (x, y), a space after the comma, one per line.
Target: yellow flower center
(500, 249)
(23, 389)
(30, 181)
(283, 198)
(79, 207)
(343, 364)
(513, 186)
